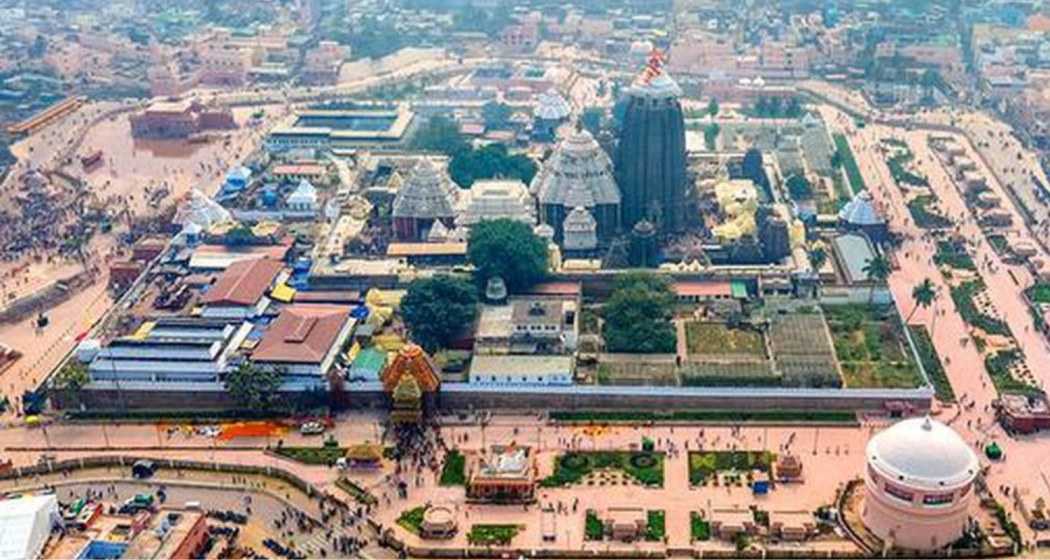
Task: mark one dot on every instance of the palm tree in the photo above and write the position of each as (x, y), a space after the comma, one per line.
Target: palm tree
(878, 270)
(923, 294)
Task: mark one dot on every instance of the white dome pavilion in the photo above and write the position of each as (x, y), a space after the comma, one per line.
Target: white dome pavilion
(919, 484)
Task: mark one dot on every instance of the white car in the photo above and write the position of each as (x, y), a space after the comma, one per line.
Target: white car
(311, 428)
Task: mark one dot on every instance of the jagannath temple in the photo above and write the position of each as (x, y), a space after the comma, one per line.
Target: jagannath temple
(428, 197)
(650, 157)
(411, 380)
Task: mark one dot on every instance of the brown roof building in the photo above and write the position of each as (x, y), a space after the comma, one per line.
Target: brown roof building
(305, 339)
(240, 292)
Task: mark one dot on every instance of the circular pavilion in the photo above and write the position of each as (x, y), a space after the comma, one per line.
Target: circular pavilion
(918, 484)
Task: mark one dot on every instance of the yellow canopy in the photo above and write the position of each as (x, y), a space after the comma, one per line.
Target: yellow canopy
(283, 293)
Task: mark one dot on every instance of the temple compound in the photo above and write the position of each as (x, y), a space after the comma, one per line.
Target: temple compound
(411, 380)
(507, 474)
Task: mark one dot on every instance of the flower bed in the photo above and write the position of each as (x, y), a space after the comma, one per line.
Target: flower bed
(487, 535)
(570, 468)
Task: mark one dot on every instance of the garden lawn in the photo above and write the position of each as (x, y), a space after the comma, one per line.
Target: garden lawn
(953, 255)
(454, 472)
(871, 347)
(699, 528)
(730, 416)
(492, 534)
(718, 338)
(655, 526)
(570, 468)
(962, 296)
(312, 455)
(856, 180)
(931, 363)
(923, 216)
(707, 464)
(412, 519)
(998, 366)
(1040, 292)
(359, 494)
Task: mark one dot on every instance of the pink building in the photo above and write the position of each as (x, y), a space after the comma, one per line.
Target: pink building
(179, 119)
(918, 484)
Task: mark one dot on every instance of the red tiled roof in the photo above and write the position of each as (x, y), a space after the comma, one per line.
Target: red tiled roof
(243, 282)
(702, 289)
(302, 334)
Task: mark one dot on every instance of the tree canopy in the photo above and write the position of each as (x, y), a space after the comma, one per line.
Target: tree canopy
(712, 107)
(437, 309)
(440, 134)
(799, 187)
(508, 249)
(253, 388)
(489, 162)
(637, 316)
(496, 114)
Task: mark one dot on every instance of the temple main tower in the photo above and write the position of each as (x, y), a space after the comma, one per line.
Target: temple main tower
(650, 157)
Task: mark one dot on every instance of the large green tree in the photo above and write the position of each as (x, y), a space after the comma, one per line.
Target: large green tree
(437, 309)
(496, 114)
(878, 270)
(637, 316)
(253, 388)
(923, 293)
(440, 134)
(490, 162)
(508, 249)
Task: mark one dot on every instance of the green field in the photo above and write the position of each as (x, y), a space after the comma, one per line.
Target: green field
(718, 338)
(856, 180)
(871, 347)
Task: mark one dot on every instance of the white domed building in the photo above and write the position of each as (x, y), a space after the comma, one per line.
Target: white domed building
(918, 485)
(860, 214)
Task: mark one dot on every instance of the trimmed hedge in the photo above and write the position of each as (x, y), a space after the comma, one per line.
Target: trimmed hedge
(734, 416)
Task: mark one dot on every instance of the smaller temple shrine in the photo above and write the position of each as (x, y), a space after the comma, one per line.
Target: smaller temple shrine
(506, 474)
(411, 379)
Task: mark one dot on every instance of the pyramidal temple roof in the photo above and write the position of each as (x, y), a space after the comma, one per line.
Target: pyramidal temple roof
(427, 193)
(579, 173)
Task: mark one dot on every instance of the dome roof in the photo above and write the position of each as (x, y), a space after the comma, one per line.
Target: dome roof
(552, 106)
(579, 173)
(427, 193)
(922, 453)
(860, 211)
